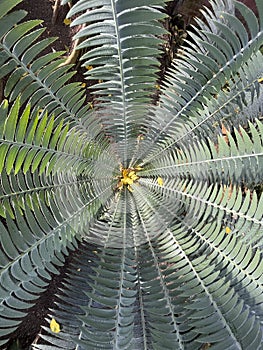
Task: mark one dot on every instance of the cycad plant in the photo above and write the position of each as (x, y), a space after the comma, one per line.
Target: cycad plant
(154, 205)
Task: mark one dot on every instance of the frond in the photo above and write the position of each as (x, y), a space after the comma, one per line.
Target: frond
(234, 158)
(170, 285)
(187, 242)
(122, 39)
(40, 80)
(38, 238)
(43, 167)
(220, 53)
(29, 142)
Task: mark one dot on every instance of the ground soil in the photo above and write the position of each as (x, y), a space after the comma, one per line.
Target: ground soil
(181, 12)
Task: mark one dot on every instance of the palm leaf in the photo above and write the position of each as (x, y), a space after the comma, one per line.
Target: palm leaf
(124, 58)
(217, 56)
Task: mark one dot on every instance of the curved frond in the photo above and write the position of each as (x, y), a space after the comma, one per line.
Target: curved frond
(41, 80)
(122, 42)
(220, 53)
(233, 158)
(36, 142)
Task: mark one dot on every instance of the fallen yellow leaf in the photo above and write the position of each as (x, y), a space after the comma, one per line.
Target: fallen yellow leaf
(67, 21)
(54, 326)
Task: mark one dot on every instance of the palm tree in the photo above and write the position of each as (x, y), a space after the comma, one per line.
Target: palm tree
(155, 207)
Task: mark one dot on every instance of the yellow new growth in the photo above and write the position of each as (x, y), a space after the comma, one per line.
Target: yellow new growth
(228, 230)
(54, 326)
(160, 181)
(89, 67)
(127, 178)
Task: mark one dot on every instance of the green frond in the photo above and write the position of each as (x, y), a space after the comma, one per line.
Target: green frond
(220, 53)
(35, 142)
(122, 41)
(6, 6)
(179, 274)
(233, 158)
(41, 80)
(43, 230)
(192, 238)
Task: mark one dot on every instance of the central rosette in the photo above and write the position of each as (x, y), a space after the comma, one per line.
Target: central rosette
(127, 178)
